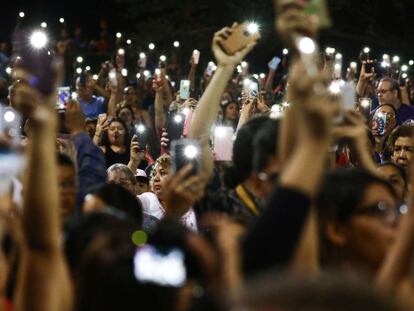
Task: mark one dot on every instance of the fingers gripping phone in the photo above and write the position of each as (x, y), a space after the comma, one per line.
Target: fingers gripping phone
(242, 35)
(175, 125)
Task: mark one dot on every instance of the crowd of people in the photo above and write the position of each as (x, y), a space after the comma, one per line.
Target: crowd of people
(147, 187)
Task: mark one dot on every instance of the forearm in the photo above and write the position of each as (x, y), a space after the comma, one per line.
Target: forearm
(112, 105)
(160, 117)
(133, 165)
(101, 91)
(361, 87)
(405, 98)
(192, 75)
(269, 81)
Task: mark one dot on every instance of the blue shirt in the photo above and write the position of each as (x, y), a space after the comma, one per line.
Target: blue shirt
(404, 113)
(93, 108)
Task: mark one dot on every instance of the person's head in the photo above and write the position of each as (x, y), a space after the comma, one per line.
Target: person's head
(386, 114)
(130, 96)
(358, 217)
(160, 172)
(85, 92)
(126, 114)
(68, 187)
(402, 145)
(120, 174)
(117, 197)
(396, 176)
(120, 61)
(389, 92)
(266, 165)
(117, 134)
(230, 112)
(91, 126)
(142, 184)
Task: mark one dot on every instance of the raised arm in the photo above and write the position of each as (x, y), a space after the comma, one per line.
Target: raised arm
(43, 282)
(209, 104)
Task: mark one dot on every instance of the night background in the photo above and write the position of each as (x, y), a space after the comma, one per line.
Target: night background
(385, 26)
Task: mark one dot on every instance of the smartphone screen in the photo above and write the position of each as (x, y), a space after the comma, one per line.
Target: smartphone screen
(63, 95)
(274, 63)
(160, 266)
(223, 143)
(185, 89)
(141, 134)
(196, 56)
(184, 152)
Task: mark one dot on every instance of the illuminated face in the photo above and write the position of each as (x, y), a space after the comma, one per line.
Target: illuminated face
(116, 133)
(159, 174)
(232, 112)
(403, 151)
(385, 94)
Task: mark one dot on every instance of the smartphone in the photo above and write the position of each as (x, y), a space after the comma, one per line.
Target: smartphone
(274, 63)
(38, 62)
(160, 266)
(184, 152)
(141, 134)
(175, 126)
(142, 61)
(82, 79)
(239, 39)
(223, 143)
(211, 67)
(185, 89)
(370, 65)
(348, 97)
(64, 95)
(113, 78)
(196, 56)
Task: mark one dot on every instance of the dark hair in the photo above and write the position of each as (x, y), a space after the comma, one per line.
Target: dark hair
(64, 160)
(224, 108)
(405, 130)
(124, 107)
(342, 190)
(395, 85)
(388, 105)
(242, 165)
(265, 144)
(91, 121)
(399, 169)
(121, 199)
(105, 139)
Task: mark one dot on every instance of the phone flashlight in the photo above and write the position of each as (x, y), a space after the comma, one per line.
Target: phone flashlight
(396, 59)
(190, 152)
(79, 59)
(61, 20)
(124, 72)
(128, 41)
(121, 52)
(411, 62)
(38, 39)
(196, 56)
(119, 35)
(285, 52)
(176, 44)
(252, 28)
(21, 14)
(163, 58)
(366, 50)
(404, 68)
(329, 51)
(151, 46)
(178, 118)
(140, 128)
(353, 66)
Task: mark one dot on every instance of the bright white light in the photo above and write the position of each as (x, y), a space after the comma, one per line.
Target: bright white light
(262, 76)
(43, 25)
(38, 39)
(285, 104)
(8, 70)
(252, 28)
(74, 96)
(112, 75)
(21, 14)
(147, 73)
(384, 64)
(88, 68)
(142, 55)
(124, 72)
(167, 77)
(276, 112)
(157, 72)
(366, 50)
(247, 82)
(151, 46)
(186, 111)
(307, 45)
(176, 44)
(338, 56)
(190, 152)
(285, 51)
(163, 58)
(121, 52)
(330, 51)
(404, 68)
(9, 116)
(61, 20)
(335, 88)
(95, 77)
(128, 41)
(256, 76)
(220, 131)
(404, 76)
(178, 118)
(138, 75)
(353, 65)
(119, 35)
(337, 66)
(411, 62)
(239, 69)
(78, 70)
(140, 128)
(365, 103)
(395, 59)
(79, 59)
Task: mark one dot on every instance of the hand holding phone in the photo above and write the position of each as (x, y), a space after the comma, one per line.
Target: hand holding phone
(274, 63)
(184, 152)
(223, 143)
(185, 89)
(238, 37)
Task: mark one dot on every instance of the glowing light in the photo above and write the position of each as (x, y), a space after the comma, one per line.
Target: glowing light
(124, 72)
(256, 76)
(147, 73)
(335, 88)
(79, 59)
(78, 70)
(95, 77)
(21, 14)
(353, 65)
(157, 72)
(338, 56)
(262, 76)
(239, 69)
(404, 76)
(8, 70)
(366, 50)
(151, 46)
(88, 68)
(176, 44)
(74, 96)
(61, 20)
(252, 28)
(404, 68)
(330, 51)
(140, 128)
(142, 55)
(306, 45)
(395, 59)
(220, 131)
(178, 118)
(190, 151)
(43, 25)
(38, 39)
(112, 75)
(163, 58)
(285, 51)
(138, 75)
(365, 103)
(119, 35)
(128, 41)
(121, 52)
(9, 116)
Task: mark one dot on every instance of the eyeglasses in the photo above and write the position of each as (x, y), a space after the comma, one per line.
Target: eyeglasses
(379, 91)
(384, 211)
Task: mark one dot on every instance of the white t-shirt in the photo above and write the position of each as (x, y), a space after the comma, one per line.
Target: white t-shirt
(152, 206)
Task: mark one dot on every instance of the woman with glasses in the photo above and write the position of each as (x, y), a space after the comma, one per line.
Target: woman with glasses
(358, 215)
